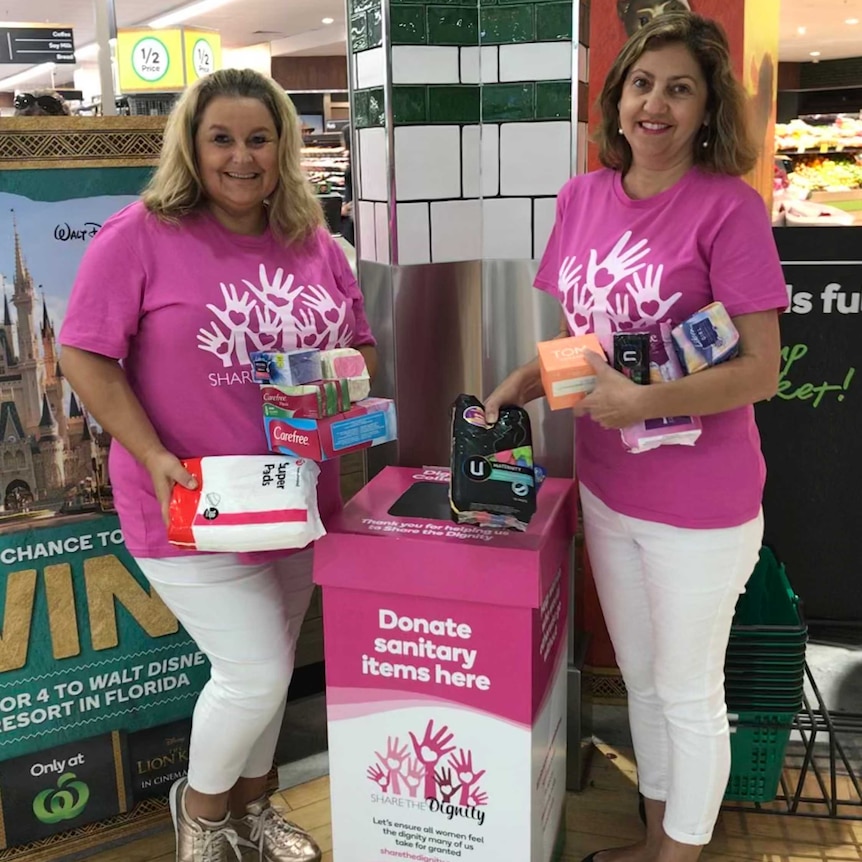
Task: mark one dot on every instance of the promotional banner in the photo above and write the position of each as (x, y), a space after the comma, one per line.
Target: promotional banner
(61, 788)
(157, 758)
(86, 647)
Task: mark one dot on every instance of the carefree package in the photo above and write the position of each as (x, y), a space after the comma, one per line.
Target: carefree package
(492, 478)
(246, 503)
(368, 423)
(567, 376)
(309, 400)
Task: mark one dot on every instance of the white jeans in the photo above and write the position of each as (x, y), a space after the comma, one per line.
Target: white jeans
(668, 595)
(246, 620)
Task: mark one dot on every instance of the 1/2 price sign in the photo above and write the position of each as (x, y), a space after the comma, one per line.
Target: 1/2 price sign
(150, 60)
(202, 53)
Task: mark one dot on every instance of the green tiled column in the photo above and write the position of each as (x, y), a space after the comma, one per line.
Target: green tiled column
(464, 119)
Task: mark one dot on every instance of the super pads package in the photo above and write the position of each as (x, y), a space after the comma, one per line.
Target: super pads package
(246, 503)
(492, 480)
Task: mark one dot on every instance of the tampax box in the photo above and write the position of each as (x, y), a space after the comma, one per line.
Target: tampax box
(367, 423)
(446, 670)
(567, 377)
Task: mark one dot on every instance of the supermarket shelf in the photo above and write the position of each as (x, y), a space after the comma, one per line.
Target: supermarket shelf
(849, 151)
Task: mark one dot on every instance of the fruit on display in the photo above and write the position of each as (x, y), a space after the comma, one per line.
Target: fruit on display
(826, 174)
(842, 133)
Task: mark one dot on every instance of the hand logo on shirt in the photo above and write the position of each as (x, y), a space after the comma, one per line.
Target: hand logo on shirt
(647, 295)
(590, 300)
(277, 314)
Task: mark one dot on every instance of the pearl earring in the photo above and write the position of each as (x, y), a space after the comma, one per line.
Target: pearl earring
(620, 130)
(705, 144)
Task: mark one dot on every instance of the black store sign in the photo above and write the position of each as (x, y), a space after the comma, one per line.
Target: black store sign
(157, 758)
(59, 789)
(812, 431)
(34, 45)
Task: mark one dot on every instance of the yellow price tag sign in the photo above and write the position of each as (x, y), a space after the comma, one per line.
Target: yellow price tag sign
(150, 60)
(202, 53)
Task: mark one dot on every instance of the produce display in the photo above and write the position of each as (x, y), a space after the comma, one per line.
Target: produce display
(827, 174)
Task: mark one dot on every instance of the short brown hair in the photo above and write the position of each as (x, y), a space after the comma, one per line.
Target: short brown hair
(175, 189)
(730, 148)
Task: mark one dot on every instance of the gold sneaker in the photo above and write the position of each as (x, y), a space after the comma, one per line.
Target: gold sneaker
(274, 838)
(197, 842)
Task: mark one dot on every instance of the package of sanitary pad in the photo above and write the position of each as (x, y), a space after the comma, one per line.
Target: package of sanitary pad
(492, 477)
(672, 430)
(707, 338)
(367, 423)
(287, 368)
(349, 364)
(246, 503)
(310, 400)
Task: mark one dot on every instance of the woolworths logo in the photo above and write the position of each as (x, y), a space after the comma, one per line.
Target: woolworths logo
(63, 802)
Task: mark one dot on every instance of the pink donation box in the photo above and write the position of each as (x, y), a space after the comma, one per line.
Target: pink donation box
(445, 676)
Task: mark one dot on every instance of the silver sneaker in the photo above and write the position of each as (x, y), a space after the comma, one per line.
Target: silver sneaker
(197, 843)
(274, 838)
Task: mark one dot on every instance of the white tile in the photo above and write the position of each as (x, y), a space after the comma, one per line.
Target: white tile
(489, 64)
(414, 234)
(471, 158)
(423, 64)
(479, 65)
(544, 214)
(470, 65)
(583, 63)
(535, 158)
(371, 68)
(373, 176)
(456, 231)
(507, 229)
(427, 162)
(536, 61)
(381, 232)
(490, 160)
(366, 231)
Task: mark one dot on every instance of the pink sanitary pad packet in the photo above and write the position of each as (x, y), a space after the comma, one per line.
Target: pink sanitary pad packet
(673, 430)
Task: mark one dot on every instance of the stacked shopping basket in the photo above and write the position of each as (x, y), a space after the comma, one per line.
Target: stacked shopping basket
(764, 678)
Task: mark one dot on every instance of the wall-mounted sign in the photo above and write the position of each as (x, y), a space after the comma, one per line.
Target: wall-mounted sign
(165, 61)
(36, 43)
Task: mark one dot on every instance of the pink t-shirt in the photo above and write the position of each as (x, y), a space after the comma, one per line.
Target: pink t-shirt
(620, 264)
(183, 306)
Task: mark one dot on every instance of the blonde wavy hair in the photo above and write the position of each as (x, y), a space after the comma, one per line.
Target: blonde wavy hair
(730, 148)
(175, 189)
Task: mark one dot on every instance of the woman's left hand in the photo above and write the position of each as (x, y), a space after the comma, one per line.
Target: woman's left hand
(616, 401)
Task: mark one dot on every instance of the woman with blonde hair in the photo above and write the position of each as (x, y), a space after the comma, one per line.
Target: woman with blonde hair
(673, 534)
(225, 254)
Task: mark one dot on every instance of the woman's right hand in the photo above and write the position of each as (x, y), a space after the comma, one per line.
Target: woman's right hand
(509, 393)
(166, 470)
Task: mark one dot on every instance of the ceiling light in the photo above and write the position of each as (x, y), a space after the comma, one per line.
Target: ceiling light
(184, 13)
(801, 31)
(328, 21)
(814, 54)
(36, 72)
(851, 21)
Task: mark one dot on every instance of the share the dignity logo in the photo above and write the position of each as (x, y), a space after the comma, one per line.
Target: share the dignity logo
(432, 768)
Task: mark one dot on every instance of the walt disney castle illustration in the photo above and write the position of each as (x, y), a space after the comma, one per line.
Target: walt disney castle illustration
(50, 457)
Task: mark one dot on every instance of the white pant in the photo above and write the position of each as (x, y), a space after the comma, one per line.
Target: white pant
(668, 595)
(246, 620)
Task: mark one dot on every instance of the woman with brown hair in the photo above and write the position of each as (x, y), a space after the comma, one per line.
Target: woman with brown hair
(673, 534)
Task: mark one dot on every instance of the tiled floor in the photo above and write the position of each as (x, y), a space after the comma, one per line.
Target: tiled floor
(603, 815)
